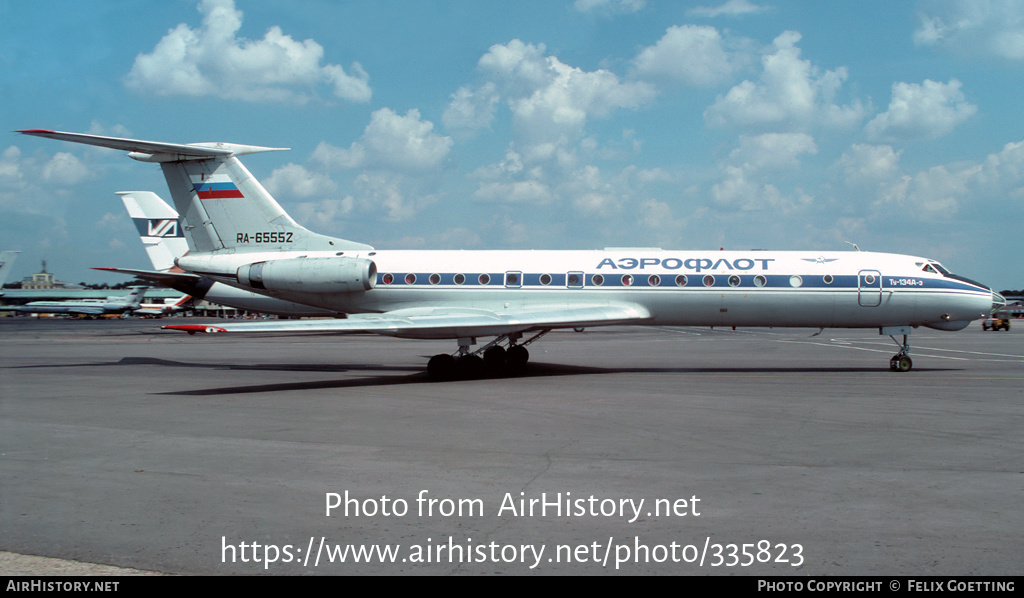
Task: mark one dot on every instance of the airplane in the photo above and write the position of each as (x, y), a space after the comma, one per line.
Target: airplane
(164, 238)
(6, 265)
(161, 309)
(240, 236)
(114, 304)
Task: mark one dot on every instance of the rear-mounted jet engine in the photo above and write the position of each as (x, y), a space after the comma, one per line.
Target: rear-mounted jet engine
(311, 275)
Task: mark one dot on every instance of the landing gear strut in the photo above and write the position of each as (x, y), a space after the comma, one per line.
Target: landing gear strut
(900, 362)
(491, 360)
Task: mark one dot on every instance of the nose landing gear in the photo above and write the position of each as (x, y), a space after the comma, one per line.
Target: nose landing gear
(900, 362)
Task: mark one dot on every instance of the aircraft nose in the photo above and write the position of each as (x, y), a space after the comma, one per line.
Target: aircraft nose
(998, 302)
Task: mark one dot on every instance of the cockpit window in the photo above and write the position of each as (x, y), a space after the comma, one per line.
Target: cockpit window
(936, 268)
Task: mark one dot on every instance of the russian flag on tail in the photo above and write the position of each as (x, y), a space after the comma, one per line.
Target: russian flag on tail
(215, 187)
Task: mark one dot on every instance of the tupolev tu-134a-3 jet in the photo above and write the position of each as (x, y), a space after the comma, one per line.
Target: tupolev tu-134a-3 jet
(239, 235)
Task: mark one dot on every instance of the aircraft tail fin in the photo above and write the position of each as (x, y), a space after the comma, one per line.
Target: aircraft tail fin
(132, 300)
(224, 207)
(6, 264)
(180, 303)
(162, 234)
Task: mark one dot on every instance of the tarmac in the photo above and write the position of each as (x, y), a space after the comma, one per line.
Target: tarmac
(682, 451)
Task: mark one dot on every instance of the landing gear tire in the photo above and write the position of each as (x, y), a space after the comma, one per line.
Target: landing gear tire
(901, 363)
(441, 367)
(494, 359)
(516, 358)
(468, 367)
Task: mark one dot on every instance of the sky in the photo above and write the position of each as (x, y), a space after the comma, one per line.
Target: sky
(573, 124)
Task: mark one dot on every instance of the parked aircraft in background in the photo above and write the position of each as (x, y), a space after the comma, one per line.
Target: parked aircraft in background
(6, 265)
(164, 238)
(240, 236)
(115, 304)
(162, 309)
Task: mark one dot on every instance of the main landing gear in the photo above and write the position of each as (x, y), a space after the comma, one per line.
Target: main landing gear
(491, 360)
(900, 362)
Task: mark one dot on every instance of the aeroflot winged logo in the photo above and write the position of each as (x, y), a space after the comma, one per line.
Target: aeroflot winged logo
(215, 187)
(819, 260)
(163, 228)
(166, 228)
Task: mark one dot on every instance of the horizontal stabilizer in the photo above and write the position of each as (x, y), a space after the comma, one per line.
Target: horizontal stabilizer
(164, 278)
(220, 204)
(156, 151)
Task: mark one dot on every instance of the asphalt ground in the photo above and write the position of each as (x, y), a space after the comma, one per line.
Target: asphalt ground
(755, 452)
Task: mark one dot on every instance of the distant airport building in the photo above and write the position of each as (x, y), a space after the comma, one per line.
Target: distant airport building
(44, 280)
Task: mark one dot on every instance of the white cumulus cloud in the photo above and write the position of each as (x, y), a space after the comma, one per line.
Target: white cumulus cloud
(873, 164)
(550, 104)
(296, 180)
(404, 143)
(977, 27)
(471, 109)
(791, 94)
(772, 151)
(749, 178)
(924, 111)
(213, 61)
(732, 8)
(690, 54)
(550, 101)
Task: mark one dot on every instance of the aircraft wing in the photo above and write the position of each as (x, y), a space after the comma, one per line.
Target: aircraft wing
(441, 322)
(164, 278)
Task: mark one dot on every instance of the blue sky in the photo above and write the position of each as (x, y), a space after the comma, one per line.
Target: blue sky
(742, 124)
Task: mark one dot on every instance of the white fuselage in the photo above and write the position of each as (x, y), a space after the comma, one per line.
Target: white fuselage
(680, 288)
(84, 306)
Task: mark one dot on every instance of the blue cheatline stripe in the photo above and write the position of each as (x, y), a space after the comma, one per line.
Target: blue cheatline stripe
(540, 280)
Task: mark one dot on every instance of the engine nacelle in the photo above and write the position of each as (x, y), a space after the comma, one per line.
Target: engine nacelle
(311, 275)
